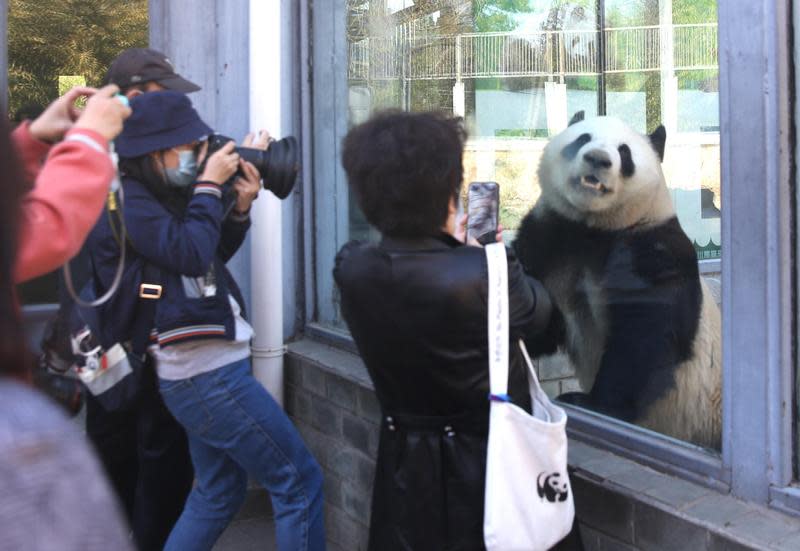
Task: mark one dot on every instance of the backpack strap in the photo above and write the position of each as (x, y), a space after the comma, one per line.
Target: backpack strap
(150, 288)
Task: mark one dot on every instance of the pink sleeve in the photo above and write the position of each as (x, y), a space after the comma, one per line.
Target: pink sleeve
(30, 151)
(65, 203)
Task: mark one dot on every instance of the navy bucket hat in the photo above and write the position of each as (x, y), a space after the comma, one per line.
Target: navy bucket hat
(160, 120)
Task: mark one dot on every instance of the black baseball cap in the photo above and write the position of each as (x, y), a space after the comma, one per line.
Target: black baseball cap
(139, 65)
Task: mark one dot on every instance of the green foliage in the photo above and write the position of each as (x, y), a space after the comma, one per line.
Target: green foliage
(48, 39)
(498, 15)
(694, 11)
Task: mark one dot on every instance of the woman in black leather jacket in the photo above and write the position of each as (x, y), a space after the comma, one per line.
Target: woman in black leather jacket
(416, 305)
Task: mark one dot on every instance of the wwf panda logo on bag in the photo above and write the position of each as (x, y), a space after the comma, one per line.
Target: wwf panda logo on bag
(552, 487)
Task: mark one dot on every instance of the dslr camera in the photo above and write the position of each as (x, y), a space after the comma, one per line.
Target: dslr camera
(278, 164)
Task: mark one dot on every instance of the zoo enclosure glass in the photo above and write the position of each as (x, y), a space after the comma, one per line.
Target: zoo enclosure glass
(517, 70)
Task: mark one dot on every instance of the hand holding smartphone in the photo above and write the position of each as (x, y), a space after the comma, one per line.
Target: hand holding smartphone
(483, 205)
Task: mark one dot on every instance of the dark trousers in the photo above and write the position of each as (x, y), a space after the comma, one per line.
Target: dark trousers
(146, 456)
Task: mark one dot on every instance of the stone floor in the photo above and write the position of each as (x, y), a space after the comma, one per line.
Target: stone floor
(250, 534)
(253, 529)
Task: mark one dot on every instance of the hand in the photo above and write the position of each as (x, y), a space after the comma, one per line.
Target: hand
(104, 113)
(221, 165)
(461, 232)
(262, 142)
(246, 186)
(59, 116)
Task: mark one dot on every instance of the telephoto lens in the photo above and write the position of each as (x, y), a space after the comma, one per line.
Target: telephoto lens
(278, 164)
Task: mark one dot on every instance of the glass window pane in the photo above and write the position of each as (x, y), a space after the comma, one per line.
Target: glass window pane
(517, 71)
(54, 45)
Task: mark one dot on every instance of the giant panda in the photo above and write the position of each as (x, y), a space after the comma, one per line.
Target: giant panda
(631, 311)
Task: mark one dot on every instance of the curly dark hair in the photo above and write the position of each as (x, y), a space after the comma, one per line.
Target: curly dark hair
(405, 169)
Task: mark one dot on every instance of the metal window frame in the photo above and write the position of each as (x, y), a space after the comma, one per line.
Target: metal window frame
(756, 139)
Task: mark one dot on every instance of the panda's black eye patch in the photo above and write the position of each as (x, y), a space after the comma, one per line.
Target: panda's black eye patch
(570, 151)
(627, 168)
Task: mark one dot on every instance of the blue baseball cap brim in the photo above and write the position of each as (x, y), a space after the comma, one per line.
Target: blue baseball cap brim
(160, 120)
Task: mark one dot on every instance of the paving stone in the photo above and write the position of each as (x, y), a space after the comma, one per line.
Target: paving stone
(354, 467)
(609, 465)
(360, 434)
(248, 535)
(344, 531)
(326, 417)
(579, 454)
(791, 543)
(656, 529)
(341, 392)
(313, 379)
(571, 384)
(719, 510)
(556, 366)
(675, 491)
(637, 479)
(598, 506)
(322, 447)
(332, 489)
(293, 371)
(368, 405)
(298, 402)
(357, 502)
(551, 388)
(717, 542)
(763, 528)
(590, 538)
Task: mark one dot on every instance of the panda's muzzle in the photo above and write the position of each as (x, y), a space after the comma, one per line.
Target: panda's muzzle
(593, 183)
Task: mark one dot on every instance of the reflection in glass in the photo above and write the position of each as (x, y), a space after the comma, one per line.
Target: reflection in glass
(517, 71)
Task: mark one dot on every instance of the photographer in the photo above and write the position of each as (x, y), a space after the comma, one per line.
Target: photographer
(144, 450)
(416, 306)
(176, 222)
(70, 188)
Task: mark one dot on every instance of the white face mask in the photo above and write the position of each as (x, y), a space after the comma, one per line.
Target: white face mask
(184, 175)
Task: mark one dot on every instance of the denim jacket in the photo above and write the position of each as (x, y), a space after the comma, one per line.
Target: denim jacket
(182, 249)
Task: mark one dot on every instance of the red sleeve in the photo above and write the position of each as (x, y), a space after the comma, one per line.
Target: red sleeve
(30, 151)
(65, 203)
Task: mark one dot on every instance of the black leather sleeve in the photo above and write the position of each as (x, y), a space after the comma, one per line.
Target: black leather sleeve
(529, 303)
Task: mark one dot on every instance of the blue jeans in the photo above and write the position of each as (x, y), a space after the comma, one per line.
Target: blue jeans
(235, 427)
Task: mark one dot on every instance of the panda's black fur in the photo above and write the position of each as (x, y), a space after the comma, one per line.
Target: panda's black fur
(629, 299)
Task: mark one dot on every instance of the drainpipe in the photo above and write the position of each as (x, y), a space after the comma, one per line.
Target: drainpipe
(268, 92)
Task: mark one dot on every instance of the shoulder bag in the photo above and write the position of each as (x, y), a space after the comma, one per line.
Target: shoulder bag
(528, 503)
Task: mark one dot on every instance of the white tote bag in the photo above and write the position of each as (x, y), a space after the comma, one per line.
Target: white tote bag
(528, 503)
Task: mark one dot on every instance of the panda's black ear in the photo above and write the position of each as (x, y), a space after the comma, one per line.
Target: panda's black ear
(659, 140)
(577, 117)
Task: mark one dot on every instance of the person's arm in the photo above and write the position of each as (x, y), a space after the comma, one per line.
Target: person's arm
(30, 151)
(246, 186)
(186, 245)
(63, 206)
(71, 186)
(530, 308)
(234, 230)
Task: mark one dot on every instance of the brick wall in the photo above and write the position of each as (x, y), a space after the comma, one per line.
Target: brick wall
(620, 504)
(338, 417)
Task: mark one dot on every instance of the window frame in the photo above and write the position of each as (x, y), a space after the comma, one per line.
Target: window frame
(757, 253)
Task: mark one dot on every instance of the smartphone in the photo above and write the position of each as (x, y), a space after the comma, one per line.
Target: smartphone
(483, 206)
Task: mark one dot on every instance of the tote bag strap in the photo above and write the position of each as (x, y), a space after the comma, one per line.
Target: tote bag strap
(498, 321)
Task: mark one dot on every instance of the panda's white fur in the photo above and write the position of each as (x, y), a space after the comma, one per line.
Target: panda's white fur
(643, 199)
(601, 197)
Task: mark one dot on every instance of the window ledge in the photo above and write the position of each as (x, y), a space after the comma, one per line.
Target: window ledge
(621, 501)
